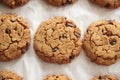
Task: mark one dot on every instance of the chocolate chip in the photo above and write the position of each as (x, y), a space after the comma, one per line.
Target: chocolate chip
(8, 31)
(101, 77)
(64, 36)
(3, 78)
(18, 34)
(53, 29)
(20, 2)
(113, 41)
(72, 57)
(63, 4)
(54, 49)
(59, 37)
(77, 34)
(57, 76)
(15, 28)
(69, 24)
(27, 45)
(2, 20)
(23, 50)
(69, 1)
(110, 22)
(102, 30)
(107, 5)
(108, 33)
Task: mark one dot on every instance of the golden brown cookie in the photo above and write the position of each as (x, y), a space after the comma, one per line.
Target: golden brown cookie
(102, 42)
(60, 2)
(8, 75)
(14, 36)
(15, 3)
(107, 3)
(57, 77)
(57, 40)
(105, 77)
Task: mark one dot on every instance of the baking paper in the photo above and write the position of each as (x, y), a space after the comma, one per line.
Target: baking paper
(83, 12)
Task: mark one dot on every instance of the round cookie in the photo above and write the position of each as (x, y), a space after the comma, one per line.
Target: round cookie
(107, 3)
(60, 2)
(57, 77)
(105, 77)
(102, 42)
(57, 40)
(14, 36)
(8, 75)
(15, 3)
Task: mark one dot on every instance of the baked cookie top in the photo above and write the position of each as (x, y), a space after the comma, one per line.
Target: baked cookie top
(14, 36)
(102, 42)
(107, 3)
(57, 77)
(60, 2)
(8, 75)
(57, 40)
(105, 77)
(15, 3)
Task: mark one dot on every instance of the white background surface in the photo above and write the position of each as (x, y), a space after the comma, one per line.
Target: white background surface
(81, 68)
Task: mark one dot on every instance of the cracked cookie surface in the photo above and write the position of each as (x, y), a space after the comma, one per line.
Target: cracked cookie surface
(60, 2)
(14, 36)
(102, 42)
(15, 3)
(57, 77)
(57, 40)
(8, 75)
(105, 77)
(107, 3)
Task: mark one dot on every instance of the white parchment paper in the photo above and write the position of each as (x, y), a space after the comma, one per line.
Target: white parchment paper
(81, 68)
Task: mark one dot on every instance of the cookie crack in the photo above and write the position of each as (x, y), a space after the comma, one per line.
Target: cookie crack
(90, 39)
(24, 26)
(5, 78)
(1, 23)
(12, 42)
(5, 50)
(9, 44)
(106, 58)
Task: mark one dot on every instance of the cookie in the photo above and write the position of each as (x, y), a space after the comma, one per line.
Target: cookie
(107, 3)
(14, 36)
(60, 2)
(57, 77)
(15, 3)
(102, 42)
(8, 75)
(57, 40)
(105, 77)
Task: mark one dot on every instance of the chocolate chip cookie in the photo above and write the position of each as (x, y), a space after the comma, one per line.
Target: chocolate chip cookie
(102, 42)
(15, 3)
(60, 2)
(57, 40)
(8, 75)
(107, 3)
(105, 77)
(14, 36)
(57, 77)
